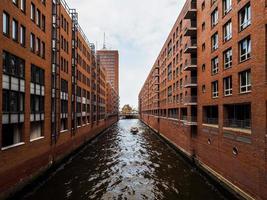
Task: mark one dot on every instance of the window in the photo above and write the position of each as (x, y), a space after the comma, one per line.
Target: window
(203, 26)
(203, 88)
(23, 5)
(227, 31)
(12, 99)
(214, 42)
(170, 72)
(14, 30)
(22, 35)
(37, 75)
(227, 58)
(42, 53)
(11, 134)
(245, 49)
(38, 46)
(32, 12)
(227, 84)
(215, 66)
(6, 23)
(15, 2)
(213, 2)
(203, 5)
(210, 115)
(215, 89)
(214, 17)
(38, 18)
(43, 23)
(13, 66)
(237, 116)
(37, 102)
(245, 81)
(37, 130)
(227, 6)
(244, 17)
(32, 42)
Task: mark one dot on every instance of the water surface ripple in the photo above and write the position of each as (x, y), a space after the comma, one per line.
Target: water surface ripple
(120, 165)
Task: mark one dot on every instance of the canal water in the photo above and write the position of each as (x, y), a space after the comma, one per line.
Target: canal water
(121, 165)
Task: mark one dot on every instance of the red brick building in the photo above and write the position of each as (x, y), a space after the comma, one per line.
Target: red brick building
(109, 59)
(53, 91)
(207, 92)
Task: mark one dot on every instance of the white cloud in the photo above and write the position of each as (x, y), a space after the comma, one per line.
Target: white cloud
(137, 28)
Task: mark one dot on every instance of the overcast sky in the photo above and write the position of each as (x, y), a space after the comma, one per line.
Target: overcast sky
(137, 28)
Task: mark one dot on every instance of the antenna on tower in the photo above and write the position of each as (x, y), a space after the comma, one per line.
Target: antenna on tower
(104, 44)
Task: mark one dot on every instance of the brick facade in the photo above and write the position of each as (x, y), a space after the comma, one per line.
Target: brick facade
(53, 90)
(219, 116)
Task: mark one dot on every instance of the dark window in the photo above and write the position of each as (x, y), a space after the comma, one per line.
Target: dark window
(13, 65)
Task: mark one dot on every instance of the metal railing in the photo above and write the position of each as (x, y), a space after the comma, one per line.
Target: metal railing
(214, 121)
(190, 99)
(192, 119)
(234, 123)
(191, 80)
(190, 62)
(184, 117)
(191, 43)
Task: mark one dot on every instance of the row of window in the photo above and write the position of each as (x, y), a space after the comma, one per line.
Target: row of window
(37, 17)
(18, 34)
(64, 44)
(244, 22)
(244, 85)
(244, 54)
(83, 63)
(37, 46)
(64, 65)
(83, 78)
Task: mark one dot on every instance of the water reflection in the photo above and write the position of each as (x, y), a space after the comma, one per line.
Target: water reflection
(121, 165)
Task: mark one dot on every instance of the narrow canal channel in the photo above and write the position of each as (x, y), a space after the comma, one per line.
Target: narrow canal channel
(120, 165)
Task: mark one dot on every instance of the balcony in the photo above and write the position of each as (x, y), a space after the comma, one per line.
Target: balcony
(190, 82)
(191, 46)
(191, 12)
(190, 100)
(191, 30)
(237, 124)
(183, 118)
(191, 121)
(190, 65)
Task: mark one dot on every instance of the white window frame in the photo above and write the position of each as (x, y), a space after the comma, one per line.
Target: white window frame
(227, 31)
(215, 41)
(228, 91)
(214, 17)
(228, 54)
(247, 47)
(215, 65)
(247, 87)
(215, 89)
(247, 17)
(227, 6)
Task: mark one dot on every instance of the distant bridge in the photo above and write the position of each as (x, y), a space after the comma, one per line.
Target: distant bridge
(129, 116)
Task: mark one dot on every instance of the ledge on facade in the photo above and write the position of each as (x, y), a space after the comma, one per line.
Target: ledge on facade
(241, 130)
(12, 146)
(211, 125)
(35, 139)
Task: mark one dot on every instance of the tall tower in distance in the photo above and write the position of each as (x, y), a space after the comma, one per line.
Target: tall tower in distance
(109, 59)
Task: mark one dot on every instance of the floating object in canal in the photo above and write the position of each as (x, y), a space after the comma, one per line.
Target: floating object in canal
(134, 130)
